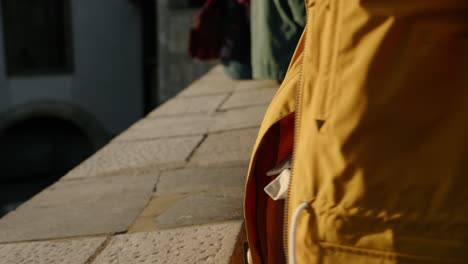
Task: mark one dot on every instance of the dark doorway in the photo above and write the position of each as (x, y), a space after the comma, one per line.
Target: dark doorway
(150, 47)
(35, 153)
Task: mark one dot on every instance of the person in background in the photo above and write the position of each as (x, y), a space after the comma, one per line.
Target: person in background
(235, 50)
(276, 26)
(222, 31)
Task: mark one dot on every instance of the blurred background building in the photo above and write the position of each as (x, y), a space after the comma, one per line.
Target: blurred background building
(75, 73)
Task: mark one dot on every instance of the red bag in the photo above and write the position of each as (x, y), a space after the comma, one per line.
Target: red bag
(246, 3)
(206, 37)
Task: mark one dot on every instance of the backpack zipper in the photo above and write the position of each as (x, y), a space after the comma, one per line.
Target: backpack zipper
(296, 136)
(310, 4)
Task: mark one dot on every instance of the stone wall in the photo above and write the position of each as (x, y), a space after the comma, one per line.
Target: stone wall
(175, 67)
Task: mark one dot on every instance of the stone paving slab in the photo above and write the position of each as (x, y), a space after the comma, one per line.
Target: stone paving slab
(232, 147)
(157, 206)
(80, 208)
(222, 204)
(163, 127)
(195, 180)
(137, 155)
(59, 252)
(239, 118)
(218, 69)
(176, 188)
(189, 106)
(252, 85)
(185, 209)
(215, 82)
(209, 244)
(206, 87)
(249, 98)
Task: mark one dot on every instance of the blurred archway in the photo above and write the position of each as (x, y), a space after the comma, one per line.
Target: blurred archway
(35, 152)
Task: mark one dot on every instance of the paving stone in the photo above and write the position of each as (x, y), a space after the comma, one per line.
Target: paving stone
(239, 118)
(80, 208)
(221, 204)
(59, 252)
(157, 206)
(215, 82)
(163, 127)
(189, 105)
(249, 98)
(210, 244)
(137, 155)
(251, 85)
(207, 87)
(218, 69)
(232, 147)
(195, 180)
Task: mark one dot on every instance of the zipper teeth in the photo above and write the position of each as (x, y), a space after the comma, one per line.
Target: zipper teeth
(296, 136)
(298, 113)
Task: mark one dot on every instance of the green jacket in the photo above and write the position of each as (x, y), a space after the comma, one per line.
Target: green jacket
(276, 26)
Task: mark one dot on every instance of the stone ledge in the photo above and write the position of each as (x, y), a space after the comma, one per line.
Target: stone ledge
(226, 148)
(182, 165)
(127, 156)
(208, 244)
(77, 251)
(80, 208)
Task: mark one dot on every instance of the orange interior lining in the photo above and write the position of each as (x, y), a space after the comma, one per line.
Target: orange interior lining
(276, 146)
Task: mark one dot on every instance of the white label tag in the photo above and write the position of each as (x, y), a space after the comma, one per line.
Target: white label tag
(278, 188)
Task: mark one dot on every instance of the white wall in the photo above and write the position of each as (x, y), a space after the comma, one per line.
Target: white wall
(108, 58)
(107, 76)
